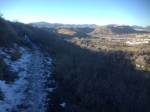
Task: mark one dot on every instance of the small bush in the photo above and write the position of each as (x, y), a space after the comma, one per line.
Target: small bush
(1, 95)
(2, 66)
(16, 55)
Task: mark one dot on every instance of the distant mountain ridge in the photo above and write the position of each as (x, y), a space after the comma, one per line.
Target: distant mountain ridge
(108, 30)
(95, 31)
(46, 24)
(140, 27)
(85, 30)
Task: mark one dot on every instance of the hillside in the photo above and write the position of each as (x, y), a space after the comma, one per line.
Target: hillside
(91, 31)
(140, 27)
(87, 30)
(108, 30)
(25, 69)
(75, 31)
(39, 71)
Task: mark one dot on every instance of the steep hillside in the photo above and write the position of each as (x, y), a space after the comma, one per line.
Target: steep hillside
(7, 34)
(122, 29)
(26, 83)
(75, 31)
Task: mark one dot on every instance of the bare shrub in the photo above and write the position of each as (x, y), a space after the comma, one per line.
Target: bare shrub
(99, 81)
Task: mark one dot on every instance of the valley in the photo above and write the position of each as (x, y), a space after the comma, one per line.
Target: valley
(74, 56)
(80, 69)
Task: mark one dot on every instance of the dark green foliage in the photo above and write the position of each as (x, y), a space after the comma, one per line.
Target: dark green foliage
(99, 81)
(16, 55)
(22, 29)
(8, 35)
(1, 95)
(2, 67)
(12, 32)
(5, 73)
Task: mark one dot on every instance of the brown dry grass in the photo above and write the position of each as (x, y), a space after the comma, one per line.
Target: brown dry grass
(67, 31)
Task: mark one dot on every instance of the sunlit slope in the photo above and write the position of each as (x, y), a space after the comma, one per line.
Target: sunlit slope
(108, 30)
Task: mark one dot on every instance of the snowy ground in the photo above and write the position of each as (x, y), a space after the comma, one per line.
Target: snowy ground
(28, 92)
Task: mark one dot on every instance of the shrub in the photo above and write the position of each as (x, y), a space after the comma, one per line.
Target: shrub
(2, 67)
(1, 95)
(99, 81)
(16, 55)
(7, 33)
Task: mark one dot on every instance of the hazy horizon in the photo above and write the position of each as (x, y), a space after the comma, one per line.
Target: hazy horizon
(99, 12)
(88, 24)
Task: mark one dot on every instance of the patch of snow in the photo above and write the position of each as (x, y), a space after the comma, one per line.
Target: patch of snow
(4, 54)
(29, 89)
(63, 104)
(50, 89)
(21, 63)
(13, 94)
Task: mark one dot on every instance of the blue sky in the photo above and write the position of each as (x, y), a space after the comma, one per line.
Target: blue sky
(101, 12)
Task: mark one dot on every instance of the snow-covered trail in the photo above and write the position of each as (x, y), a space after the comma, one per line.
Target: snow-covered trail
(36, 78)
(28, 93)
